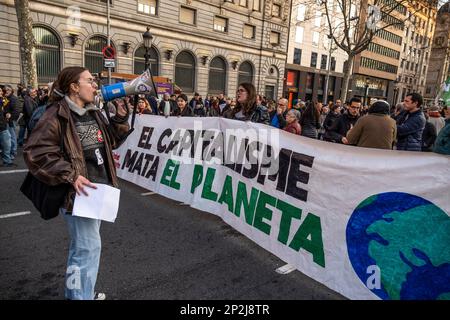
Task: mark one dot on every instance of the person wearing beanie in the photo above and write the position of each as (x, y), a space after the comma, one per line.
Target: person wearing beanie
(375, 130)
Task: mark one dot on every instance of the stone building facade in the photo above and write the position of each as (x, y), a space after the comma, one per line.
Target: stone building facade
(416, 48)
(439, 67)
(203, 46)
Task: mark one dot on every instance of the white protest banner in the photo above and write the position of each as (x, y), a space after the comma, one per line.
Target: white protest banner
(367, 223)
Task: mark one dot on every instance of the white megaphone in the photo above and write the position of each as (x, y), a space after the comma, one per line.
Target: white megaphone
(140, 85)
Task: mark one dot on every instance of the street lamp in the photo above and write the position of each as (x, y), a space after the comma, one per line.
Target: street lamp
(148, 38)
(327, 79)
(366, 90)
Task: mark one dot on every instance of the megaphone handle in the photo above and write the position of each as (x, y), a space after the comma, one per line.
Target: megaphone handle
(153, 83)
(133, 117)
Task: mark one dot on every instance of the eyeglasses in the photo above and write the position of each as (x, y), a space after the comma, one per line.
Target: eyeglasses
(90, 81)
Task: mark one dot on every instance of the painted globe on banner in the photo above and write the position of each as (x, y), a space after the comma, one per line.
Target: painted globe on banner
(398, 245)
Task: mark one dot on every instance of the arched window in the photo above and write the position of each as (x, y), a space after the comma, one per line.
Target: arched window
(93, 57)
(139, 60)
(185, 71)
(217, 76)
(245, 73)
(48, 55)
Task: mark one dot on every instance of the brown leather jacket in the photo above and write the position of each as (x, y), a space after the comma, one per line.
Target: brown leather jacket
(42, 150)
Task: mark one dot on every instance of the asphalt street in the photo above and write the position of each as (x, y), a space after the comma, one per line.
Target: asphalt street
(157, 249)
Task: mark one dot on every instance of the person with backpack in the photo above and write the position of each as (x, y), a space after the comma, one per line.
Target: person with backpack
(71, 120)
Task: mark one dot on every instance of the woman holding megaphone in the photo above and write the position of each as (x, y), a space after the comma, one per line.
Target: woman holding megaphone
(72, 144)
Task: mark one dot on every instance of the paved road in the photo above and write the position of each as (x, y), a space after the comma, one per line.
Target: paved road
(156, 249)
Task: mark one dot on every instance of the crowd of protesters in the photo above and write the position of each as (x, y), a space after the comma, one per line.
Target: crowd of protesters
(406, 126)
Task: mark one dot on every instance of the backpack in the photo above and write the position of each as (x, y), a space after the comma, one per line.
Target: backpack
(37, 114)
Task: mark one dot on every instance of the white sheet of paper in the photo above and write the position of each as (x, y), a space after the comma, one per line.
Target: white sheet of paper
(101, 203)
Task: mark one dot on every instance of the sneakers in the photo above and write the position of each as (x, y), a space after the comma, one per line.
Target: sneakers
(99, 296)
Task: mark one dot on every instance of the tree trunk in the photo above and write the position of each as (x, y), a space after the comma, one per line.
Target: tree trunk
(346, 80)
(26, 43)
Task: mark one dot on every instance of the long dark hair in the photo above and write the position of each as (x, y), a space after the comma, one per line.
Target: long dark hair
(250, 105)
(310, 112)
(66, 77)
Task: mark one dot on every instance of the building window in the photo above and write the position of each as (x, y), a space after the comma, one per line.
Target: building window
(315, 39)
(256, 5)
(301, 10)
(243, 3)
(188, 15)
(220, 24)
(276, 10)
(245, 73)
(139, 60)
(323, 61)
(297, 56)
(274, 38)
(217, 76)
(185, 71)
(299, 34)
(333, 63)
(47, 53)
(147, 6)
(249, 31)
(313, 59)
(318, 18)
(93, 57)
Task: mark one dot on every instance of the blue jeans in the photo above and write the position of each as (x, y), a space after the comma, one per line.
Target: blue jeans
(12, 132)
(5, 144)
(84, 257)
(23, 129)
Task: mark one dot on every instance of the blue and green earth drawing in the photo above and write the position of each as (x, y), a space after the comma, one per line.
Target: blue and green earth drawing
(408, 239)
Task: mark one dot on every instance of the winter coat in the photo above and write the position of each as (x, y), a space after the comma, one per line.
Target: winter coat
(13, 107)
(409, 130)
(428, 136)
(340, 127)
(42, 150)
(258, 115)
(442, 143)
(373, 131)
(293, 127)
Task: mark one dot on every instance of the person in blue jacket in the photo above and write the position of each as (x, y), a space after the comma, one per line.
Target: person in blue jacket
(410, 123)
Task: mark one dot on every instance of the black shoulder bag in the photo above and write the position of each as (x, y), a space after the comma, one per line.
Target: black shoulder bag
(46, 199)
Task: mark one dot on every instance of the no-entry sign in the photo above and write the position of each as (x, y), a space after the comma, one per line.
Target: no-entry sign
(108, 52)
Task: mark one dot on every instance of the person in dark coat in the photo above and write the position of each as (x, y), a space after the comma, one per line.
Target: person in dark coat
(183, 108)
(12, 112)
(338, 131)
(246, 108)
(310, 121)
(333, 115)
(429, 135)
(410, 124)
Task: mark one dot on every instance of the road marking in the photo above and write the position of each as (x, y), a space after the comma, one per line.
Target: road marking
(13, 171)
(147, 193)
(287, 268)
(15, 214)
